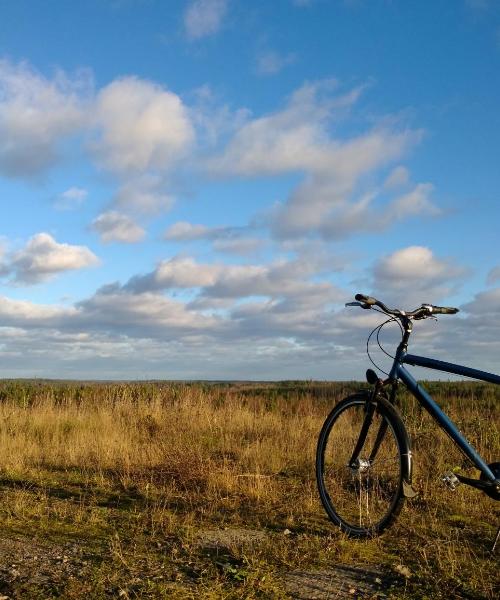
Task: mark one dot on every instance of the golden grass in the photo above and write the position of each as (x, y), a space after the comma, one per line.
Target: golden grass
(137, 472)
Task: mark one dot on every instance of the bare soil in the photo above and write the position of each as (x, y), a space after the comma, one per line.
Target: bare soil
(31, 564)
(340, 581)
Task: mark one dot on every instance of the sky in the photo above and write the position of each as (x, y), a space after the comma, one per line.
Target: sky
(193, 189)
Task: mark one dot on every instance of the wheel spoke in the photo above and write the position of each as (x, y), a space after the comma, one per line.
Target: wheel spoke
(360, 494)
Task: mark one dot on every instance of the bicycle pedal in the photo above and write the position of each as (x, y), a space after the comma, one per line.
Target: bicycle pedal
(450, 480)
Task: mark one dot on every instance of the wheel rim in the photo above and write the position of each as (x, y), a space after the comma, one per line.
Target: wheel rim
(361, 497)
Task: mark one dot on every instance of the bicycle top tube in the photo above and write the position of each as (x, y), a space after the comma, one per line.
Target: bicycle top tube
(447, 367)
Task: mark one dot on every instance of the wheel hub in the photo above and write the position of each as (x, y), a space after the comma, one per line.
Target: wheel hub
(360, 465)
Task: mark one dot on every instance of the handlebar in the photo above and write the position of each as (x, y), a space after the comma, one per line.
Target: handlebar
(444, 310)
(425, 311)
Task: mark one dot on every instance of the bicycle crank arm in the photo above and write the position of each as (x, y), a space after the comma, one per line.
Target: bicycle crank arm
(489, 487)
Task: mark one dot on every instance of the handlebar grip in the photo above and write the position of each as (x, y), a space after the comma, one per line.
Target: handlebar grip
(444, 310)
(365, 299)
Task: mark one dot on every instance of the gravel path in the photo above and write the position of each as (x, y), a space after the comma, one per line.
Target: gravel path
(341, 581)
(26, 562)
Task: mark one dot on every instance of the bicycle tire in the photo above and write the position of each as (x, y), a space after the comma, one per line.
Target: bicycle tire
(362, 502)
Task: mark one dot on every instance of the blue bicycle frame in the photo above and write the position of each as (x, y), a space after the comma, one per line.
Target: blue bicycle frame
(399, 372)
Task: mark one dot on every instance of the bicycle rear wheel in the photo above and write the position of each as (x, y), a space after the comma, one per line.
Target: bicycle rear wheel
(362, 494)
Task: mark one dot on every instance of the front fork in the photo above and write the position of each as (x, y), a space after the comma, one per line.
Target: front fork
(363, 465)
(370, 408)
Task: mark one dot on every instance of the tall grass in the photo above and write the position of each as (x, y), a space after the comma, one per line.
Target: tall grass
(165, 461)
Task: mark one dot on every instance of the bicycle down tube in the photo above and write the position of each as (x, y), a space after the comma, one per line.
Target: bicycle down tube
(434, 409)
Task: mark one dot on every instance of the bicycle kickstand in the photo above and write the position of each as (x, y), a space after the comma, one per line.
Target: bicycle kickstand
(497, 537)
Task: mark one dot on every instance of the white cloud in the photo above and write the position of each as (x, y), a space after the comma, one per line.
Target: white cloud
(338, 194)
(204, 18)
(110, 312)
(178, 272)
(138, 125)
(397, 178)
(493, 276)
(111, 331)
(36, 114)
(271, 62)
(4, 266)
(113, 226)
(70, 199)
(416, 202)
(213, 119)
(115, 333)
(43, 257)
(242, 246)
(410, 263)
(485, 304)
(23, 313)
(293, 139)
(472, 337)
(143, 194)
(184, 231)
(415, 275)
(279, 279)
(227, 330)
(126, 320)
(144, 314)
(328, 208)
(142, 125)
(370, 213)
(229, 240)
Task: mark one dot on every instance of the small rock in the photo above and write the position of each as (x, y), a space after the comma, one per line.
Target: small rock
(287, 532)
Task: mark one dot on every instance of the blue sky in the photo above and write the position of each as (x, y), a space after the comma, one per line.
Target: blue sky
(193, 189)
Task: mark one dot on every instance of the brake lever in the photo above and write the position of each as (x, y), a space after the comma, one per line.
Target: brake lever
(357, 304)
(425, 316)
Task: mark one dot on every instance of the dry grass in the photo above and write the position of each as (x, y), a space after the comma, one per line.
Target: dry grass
(135, 473)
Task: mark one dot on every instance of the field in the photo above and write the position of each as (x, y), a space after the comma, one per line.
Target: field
(170, 490)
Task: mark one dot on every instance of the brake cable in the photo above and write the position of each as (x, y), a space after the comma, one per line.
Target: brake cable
(378, 329)
(378, 333)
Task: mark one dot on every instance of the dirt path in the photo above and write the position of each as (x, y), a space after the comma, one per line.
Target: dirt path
(340, 581)
(26, 563)
(30, 566)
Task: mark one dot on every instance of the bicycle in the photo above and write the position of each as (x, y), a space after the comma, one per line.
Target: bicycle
(364, 458)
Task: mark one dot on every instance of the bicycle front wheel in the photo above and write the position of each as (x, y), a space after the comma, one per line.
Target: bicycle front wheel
(362, 494)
